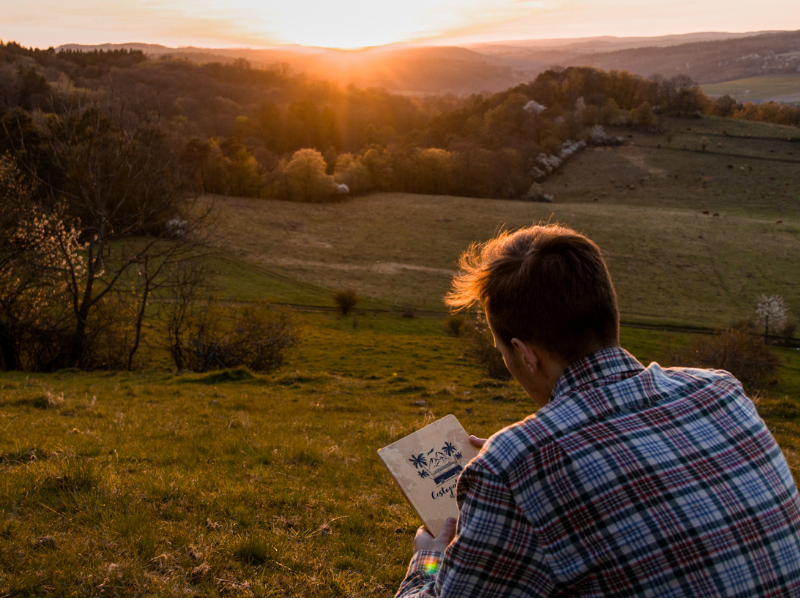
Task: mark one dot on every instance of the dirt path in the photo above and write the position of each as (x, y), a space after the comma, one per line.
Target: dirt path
(636, 157)
(384, 268)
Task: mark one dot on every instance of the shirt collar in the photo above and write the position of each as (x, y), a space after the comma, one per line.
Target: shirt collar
(601, 365)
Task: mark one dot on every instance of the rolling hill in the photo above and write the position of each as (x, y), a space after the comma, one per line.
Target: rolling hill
(706, 57)
(691, 236)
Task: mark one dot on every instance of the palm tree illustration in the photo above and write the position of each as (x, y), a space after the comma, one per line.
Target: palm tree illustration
(449, 448)
(418, 460)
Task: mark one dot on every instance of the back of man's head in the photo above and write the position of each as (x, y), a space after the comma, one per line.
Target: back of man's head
(547, 285)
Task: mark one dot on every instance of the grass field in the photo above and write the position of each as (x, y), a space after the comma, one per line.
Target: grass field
(757, 88)
(160, 484)
(667, 263)
(164, 484)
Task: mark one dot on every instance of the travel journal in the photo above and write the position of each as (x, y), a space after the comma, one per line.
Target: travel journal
(426, 466)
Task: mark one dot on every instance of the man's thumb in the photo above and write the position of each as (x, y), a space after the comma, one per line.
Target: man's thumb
(448, 530)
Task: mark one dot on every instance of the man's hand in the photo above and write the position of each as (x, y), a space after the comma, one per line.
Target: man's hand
(476, 441)
(425, 541)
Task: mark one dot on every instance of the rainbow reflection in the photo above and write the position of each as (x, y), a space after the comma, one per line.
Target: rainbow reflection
(430, 565)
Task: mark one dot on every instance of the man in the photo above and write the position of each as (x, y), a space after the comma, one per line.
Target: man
(629, 481)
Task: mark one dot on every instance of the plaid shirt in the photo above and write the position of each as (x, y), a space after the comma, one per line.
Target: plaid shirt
(629, 482)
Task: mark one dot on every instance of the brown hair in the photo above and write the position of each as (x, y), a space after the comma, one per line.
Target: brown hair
(547, 285)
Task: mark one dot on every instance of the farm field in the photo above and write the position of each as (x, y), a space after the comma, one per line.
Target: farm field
(159, 483)
(781, 88)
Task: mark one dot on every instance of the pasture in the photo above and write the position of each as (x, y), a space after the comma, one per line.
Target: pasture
(643, 203)
(158, 483)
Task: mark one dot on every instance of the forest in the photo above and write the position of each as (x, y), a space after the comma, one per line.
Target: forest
(236, 129)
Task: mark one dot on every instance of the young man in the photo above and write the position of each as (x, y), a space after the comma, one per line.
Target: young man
(629, 481)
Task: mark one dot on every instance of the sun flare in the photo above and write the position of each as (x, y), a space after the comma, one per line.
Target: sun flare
(352, 24)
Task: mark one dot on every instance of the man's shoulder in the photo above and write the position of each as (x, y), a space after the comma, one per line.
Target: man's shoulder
(505, 449)
(654, 386)
(707, 375)
(673, 383)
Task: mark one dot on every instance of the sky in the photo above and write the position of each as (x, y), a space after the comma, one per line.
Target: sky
(360, 23)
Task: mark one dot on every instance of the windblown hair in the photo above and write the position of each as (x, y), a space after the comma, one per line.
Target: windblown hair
(547, 285)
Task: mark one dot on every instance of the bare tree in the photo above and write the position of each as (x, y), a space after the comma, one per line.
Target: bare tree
(112, 169)
(189, 281)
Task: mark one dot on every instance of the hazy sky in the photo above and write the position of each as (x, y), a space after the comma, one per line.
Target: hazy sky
(358, 23)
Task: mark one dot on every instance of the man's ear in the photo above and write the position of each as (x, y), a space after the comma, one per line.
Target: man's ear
(527, 353)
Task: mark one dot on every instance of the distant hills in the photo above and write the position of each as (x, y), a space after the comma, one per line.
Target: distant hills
(708, 61)
(709, 57)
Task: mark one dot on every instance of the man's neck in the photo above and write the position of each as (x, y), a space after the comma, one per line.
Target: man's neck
(554, 367)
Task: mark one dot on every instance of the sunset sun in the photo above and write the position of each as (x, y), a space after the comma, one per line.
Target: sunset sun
(351, 24)
(358, 23)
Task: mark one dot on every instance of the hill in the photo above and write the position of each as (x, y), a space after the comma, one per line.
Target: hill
(643, 202)
(708, 61)
(491, 67)
(398, 68)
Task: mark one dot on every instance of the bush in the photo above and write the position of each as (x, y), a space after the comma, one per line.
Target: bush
(788, 332)
(346, 300)
(223, 338)
(454, 324)
(734, 350)
(478, 344)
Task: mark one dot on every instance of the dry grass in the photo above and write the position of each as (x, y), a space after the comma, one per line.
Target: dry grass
(669, 264)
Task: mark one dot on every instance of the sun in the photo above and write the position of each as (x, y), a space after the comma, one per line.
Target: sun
(349, 24)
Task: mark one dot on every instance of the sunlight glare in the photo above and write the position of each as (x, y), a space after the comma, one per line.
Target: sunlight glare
(360, 23)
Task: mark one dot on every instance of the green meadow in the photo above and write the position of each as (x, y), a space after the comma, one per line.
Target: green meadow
(157, 483)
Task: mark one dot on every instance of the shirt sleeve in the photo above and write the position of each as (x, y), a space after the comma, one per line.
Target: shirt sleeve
(421, 575)
(495, 553)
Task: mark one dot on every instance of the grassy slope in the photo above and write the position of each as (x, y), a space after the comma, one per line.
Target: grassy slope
(668, 263)
(162, 484)
(755, 88)
(141, 479)
(671, 263)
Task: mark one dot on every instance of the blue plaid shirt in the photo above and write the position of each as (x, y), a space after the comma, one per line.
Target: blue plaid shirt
(629, 482)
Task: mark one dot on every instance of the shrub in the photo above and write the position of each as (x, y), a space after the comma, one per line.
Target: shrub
(478, 344)
(454, 324)
(788, 332)
(346, 300)
(223, 338)
(734, 350)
